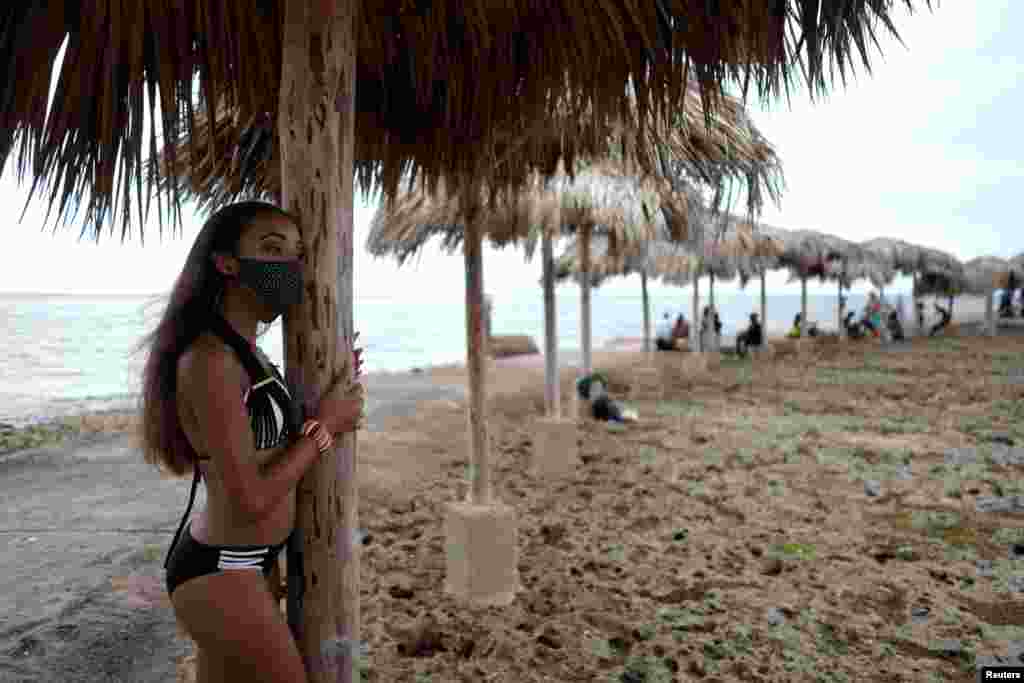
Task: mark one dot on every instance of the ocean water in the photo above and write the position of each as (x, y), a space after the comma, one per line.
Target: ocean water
(66, 355)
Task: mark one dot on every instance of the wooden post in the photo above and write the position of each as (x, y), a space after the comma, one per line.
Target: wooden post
(480, 471)
(990, 318)
(647, 311)
(803, 305)
(552, 386)
(585, 339)
(695, 331)
(764, 308)
(841, 309)
(711, 290)
(316, 129)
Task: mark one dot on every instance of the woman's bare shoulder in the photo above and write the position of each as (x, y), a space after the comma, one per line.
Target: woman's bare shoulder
(208, 356)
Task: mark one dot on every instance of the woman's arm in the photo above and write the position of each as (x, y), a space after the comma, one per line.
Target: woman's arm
(210, 377)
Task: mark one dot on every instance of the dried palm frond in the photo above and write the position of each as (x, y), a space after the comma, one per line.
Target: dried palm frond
(435, 81)
(729, 151)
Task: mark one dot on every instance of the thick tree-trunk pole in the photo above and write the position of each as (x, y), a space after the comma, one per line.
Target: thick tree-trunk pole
(803, 305)
(764, 308)
(480, 471)
(552, 386)
(585, 340)
(647, 311)
(695, 323)
(316, 129)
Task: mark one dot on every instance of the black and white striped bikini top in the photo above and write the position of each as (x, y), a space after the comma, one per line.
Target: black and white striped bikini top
(274, 416)
(272, 413)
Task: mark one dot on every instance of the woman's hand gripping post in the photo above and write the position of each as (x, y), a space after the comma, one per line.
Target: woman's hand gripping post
(342, 407)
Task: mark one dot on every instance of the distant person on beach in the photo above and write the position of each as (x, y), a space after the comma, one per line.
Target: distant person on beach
(896, 327)
(663, 335)
(873, 313)
(711, 329)
(593, 388)
(854, 329)
(944, 317)
(213, 403)
(753, 336)
(794, 332)
(681, 330)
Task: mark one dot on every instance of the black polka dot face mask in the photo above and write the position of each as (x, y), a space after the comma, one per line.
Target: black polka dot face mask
(278, 283)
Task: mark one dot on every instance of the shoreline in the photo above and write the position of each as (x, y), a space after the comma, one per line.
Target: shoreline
(404, 386)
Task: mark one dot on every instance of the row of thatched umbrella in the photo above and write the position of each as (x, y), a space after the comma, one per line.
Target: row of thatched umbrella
(743, 251)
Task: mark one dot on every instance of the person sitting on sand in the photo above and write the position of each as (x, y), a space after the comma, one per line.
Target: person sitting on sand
(753, 336)
(663, 335)
(896, 327)
(854, 329)
(794, 332)
(873, 312)
(711, 329)
(602, 407)
(214, 404)
(944, 317)
(681, 330)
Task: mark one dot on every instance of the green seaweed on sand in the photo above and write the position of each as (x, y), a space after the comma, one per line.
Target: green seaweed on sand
(831, 375)
(679, 408)
(942, 524)
(645, 668)
(792, 551)
(1005, 536)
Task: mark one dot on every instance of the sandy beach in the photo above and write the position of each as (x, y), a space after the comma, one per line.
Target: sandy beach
(848, 510)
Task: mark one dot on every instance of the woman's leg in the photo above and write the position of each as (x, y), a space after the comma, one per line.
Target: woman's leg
(238, 628)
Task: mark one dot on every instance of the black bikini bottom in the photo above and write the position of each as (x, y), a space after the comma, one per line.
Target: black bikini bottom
(190, 558)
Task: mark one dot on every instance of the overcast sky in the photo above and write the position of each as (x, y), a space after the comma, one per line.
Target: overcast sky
(924, 149)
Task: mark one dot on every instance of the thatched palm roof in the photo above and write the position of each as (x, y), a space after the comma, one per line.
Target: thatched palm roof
(619, 200)
(738, 249)
(434, 81)
(983, 274)
(862, 265)
(903, 256)
(716, 146)
(809, 253)
(626, 209)
(1017, 264)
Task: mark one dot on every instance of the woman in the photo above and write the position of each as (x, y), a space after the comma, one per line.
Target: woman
(213, 403)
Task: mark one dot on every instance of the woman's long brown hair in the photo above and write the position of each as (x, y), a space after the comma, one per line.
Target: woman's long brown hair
(192, 300)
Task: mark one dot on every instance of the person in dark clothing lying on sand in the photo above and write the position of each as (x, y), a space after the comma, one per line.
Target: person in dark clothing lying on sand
(753, 336)
(592, 388)
(944, 319)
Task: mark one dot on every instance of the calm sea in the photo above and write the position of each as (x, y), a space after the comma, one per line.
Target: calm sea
(66, 355)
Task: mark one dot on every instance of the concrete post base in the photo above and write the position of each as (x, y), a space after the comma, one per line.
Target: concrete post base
(555, 447)
(482, 553)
